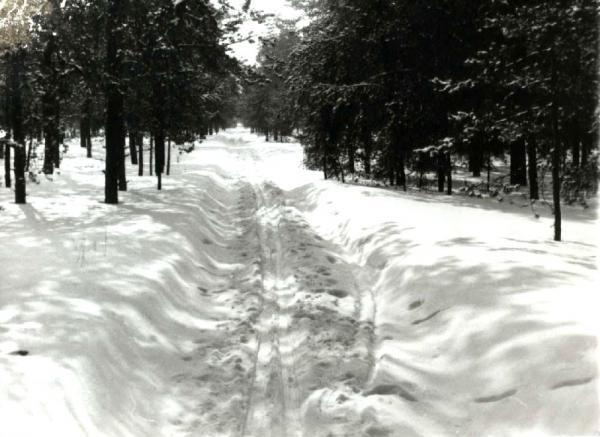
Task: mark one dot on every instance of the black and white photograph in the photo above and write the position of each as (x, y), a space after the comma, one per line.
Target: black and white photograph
(299, 218)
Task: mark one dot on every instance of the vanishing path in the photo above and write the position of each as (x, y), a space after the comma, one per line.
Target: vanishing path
(307, 311)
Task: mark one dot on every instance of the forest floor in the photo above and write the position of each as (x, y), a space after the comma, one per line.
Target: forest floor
(251, 298)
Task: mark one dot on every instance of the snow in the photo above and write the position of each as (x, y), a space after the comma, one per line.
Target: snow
(250, 297)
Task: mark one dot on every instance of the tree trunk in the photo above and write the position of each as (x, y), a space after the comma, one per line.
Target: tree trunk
(159, 159)
(7, 109)
(402, 171)
(325, 172)
(534, 192)
(449, 173)
(489, 170)
(60, 138)
(391, 172)
(85, 126)
(441, 174)
(89, 145)
(50, 107)
(29, 153)
(518, 167)
(7, 169)
(556, 158)
(122, 163)
(556, 193)
(140, 144)
(151, 159)
(133, 146)
(114, 104)
(351, 159)
(367, 161)
(20, 181)
(169, 157)
(476, 160)
(17, 128)
(82, 130)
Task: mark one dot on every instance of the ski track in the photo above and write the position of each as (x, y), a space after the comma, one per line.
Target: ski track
(287, 326)
(272, 408)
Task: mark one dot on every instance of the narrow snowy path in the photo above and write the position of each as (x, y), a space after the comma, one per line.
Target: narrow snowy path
(294, 336)
(272, 400)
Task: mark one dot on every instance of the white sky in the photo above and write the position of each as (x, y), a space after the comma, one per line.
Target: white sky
(247, 51)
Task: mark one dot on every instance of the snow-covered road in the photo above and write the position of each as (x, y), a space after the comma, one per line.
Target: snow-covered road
(251, 298)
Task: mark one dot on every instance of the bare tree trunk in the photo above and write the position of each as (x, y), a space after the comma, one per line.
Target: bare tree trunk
(6, 149)
(367, 159)
(122, 164)
(556, 194)
(140, 144)
(150, 163)
(556, 160)
(17, 128)
(489, 170)
(325, 170)
(20, 181)
(114, 104)
(534, 191)
(50, 107)
(351, 154)
(518, 166)
(159, 159)
(449, 173)
(7, 177)
(133, 146)
(169, 157)
(476, 160)
(85, 126)
(29, 153)
(441, 174)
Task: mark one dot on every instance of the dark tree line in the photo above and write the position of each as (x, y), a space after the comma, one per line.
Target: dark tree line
(146, 73)
(266, 106)
(405, 86)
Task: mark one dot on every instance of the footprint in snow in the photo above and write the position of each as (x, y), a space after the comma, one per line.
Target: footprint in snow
(572, 383)
(429, 317)
(416, 304)
(497, 397)
(340, 294)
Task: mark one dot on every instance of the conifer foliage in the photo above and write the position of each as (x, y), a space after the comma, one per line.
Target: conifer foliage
(129, 68)
(387, 88)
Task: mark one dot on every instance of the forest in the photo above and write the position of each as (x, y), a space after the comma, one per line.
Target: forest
(435, 84)
(392, 88)
(287, 218)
